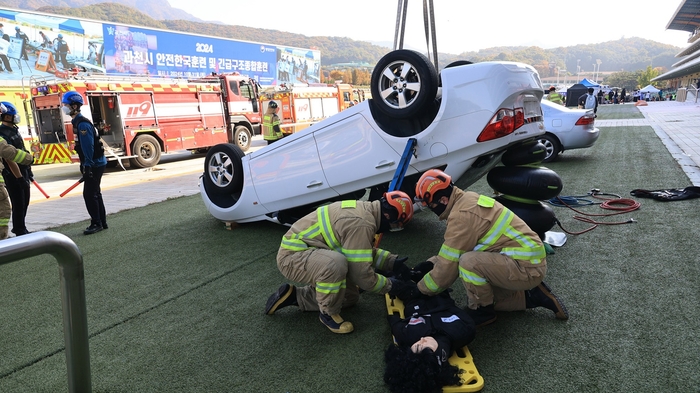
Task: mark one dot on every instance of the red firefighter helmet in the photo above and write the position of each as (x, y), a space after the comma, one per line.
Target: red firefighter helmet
(432, 182)
(404, 208)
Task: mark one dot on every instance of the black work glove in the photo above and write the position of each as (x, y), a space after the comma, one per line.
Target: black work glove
(87, 172)
(404, 290)
(421, 270)
(400, 269)
(82, 170)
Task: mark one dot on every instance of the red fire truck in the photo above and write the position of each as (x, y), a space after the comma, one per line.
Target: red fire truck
(141, 117)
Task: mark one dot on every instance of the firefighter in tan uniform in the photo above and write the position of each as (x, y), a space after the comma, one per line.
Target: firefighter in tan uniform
(500, 260)
(13, 157)
(332, 251)
(271, 124)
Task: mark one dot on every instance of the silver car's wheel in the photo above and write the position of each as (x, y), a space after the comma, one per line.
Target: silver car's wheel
(223, 169)
(403, 81)
(551, 146)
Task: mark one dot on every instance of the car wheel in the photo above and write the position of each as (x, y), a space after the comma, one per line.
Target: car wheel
(403, 82)
(241, 137)
(147, 151)
(223, 169)
(551, 145)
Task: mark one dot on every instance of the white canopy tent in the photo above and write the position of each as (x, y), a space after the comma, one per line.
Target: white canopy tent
(649, 89)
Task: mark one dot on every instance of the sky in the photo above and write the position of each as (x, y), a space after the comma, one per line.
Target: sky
(461, 25)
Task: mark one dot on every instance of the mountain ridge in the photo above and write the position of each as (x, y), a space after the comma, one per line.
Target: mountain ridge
(628, 54)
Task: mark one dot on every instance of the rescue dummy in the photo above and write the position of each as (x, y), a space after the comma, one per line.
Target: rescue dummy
(331, 250)
(13, 157)
(500, 260)
(433, 328)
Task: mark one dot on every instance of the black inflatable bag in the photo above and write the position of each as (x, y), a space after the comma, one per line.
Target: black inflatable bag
(532, 152)
(535, 183)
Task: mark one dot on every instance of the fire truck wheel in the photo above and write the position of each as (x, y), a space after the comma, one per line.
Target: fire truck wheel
(223, 169)
(403, 82)
(147, 151)
(241, 137)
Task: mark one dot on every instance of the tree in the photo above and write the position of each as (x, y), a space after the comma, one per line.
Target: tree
(625, 79)
(647, 75)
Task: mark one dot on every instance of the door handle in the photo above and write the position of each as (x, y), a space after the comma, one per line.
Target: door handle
(384, 164)
(314, 183)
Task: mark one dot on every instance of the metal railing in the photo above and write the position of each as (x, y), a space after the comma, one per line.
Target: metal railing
(72, 283)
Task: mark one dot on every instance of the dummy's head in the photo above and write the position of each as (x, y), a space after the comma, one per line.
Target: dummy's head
(397, 211)
(408, 372)
(434, 189)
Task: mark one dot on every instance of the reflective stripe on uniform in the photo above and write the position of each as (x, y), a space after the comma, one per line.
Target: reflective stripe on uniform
(330, 287)
(380, 259)
(529, 250)
(449, 253)
(471, 277)
(268, 128)
(430, 283)
(323, 227)
(381, 282)
(20, 156)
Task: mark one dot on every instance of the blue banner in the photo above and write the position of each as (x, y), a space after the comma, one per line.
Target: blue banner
(135, 50)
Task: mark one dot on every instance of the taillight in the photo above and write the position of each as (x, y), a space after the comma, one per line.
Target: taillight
(585, 120)
(504, 122)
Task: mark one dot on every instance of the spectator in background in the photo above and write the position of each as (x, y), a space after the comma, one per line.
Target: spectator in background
(2, 30)
(623, 95)
(589, 101)
(62, 51)
(4, 46)
(600, 97)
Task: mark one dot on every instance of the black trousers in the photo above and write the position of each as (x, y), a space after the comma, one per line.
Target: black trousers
(92, 194)
(19, 197)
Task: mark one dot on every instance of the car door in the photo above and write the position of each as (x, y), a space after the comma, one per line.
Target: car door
(354, 156)
(289, 174)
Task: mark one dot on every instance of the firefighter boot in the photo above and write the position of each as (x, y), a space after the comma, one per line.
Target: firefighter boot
(483, 315)
(285, 296)
(335, 323)
(542, 296)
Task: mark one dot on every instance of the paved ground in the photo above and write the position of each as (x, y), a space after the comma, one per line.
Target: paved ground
(676, 123)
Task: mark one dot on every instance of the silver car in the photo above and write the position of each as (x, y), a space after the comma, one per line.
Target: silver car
(566, 129)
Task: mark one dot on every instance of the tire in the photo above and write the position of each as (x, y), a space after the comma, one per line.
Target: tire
(525, 182)
(551, 145)
(147, 151)
(223, 169)
(455, 63)
(241, 137)
(403, 82)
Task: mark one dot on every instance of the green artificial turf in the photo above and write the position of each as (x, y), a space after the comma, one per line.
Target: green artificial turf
(175, 302)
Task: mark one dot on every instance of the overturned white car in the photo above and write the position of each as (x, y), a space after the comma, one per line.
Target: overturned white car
(462, 121)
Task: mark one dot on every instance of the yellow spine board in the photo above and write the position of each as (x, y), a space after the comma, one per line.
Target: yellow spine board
(472, 381)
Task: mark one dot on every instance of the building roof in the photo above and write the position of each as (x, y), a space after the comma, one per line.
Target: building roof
(687, 17)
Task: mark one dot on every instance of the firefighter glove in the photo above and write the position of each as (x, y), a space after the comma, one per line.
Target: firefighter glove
(421, 270)
(404, 290)
(400, 269)
(87, 172)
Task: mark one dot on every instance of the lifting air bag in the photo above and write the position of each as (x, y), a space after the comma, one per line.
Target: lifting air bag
(532, 152)
(535, 183)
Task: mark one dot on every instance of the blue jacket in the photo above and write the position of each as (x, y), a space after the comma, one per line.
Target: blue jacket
(85, 135)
